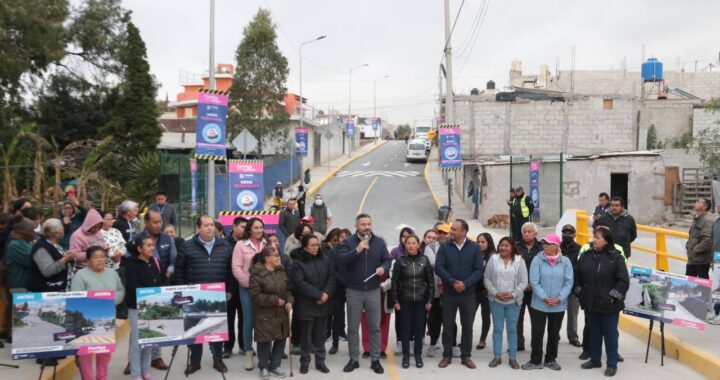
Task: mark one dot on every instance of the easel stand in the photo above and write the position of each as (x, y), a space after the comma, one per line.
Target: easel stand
(187, 362)
(662, 342)
(42, 368)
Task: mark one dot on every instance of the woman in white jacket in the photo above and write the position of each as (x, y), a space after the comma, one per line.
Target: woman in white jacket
(505, 279)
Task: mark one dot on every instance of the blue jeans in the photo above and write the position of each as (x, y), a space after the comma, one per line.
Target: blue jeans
(504, 314)
(247, 312)
(603, 326)
(139, 359)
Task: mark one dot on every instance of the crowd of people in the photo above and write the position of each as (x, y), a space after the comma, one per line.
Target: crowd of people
(331, 284)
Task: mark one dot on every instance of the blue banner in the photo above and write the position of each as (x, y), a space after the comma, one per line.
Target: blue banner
(301, 140)
(350, 127)
(211, 140)
(246, 185)
(535, 187)
(450, 157)
(193, 191)
(376, 123)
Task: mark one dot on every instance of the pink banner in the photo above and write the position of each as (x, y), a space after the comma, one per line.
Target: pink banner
(245, 167)
(101, 294)
(220, 337)
(96, 349)
(206, 97)
(218, 286)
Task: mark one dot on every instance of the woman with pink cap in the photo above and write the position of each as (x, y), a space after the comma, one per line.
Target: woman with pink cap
(551, 279)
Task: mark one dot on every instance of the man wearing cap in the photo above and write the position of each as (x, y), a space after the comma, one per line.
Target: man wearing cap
(570, 249)
(520, 210)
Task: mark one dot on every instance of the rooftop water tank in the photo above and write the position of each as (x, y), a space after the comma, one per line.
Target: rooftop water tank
(491, 85)
(652, 70)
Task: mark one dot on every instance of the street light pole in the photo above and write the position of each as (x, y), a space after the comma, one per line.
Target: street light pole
(379, 131)
(292, 151)
(352, 139)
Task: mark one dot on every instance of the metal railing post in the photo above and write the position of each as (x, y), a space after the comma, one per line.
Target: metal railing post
(661, 261)
(582, 226)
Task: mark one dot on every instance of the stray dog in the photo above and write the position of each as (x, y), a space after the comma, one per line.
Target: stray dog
(498, 221)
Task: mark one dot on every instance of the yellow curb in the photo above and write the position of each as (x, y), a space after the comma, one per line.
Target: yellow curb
(320, 184)
(66, 368)
(427, 179)
(704, 362)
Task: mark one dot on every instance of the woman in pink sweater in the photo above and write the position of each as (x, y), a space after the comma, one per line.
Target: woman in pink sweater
(245, 250)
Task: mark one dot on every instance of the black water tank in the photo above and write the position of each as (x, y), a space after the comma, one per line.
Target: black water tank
(474, 91)
(490, 85)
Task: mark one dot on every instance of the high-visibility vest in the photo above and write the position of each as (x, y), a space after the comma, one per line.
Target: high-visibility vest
(523, 207)
(586, 247)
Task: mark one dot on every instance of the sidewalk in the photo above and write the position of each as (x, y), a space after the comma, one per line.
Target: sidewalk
(699, 350)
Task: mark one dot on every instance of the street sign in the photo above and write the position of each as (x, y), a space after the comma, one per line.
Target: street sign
(245, 142)
(350, 127)
(376, 123)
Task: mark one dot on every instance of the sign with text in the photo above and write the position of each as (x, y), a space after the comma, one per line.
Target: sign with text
(271, 219)
(184, 314)
(301, 141)
(210, 140)
(246, 185)
(450, 157)
(193, 189)
(535, 187)
(350, 127)
(59, 324)
(667, 297)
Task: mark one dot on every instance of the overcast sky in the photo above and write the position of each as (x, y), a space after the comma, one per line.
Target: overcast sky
(403, 39)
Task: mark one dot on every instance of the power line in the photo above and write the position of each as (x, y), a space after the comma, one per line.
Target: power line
(466, 43)
(477, 33)
(447, 41)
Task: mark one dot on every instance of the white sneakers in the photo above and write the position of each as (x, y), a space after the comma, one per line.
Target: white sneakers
(715, 321)
(434, 350)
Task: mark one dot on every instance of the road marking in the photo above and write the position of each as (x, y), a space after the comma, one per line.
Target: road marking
(367, 192)
(406, 164)
(376, 173)
(367, 163)
(385, 165)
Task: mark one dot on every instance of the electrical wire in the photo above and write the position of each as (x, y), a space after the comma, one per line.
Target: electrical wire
(477, 33)
(447, 41)
(474, 26)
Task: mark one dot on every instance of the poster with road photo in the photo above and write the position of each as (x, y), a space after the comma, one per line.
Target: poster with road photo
(668, 297)
(46, 325)
(180, 315)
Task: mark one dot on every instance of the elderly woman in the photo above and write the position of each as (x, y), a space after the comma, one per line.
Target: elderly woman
(97, 277)
(243, 254)
(128, 223)
(505, 279)
(51, 265)
(601, 282)
(272, 301)
(113, 238)
(313, 280)
(551, 278)
(142, 270)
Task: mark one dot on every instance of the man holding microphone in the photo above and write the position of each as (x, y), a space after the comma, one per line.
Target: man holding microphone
(362, 258)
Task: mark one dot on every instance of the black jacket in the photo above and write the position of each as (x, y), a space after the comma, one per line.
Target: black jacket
(194, 266)
(139, 274)
(623, 228)
(356, 267)
(311, 276)
(601, 281)
(571, 251)
(412, 279)
(516, 208)
(288, 221)
(528, 254)
(39, 283)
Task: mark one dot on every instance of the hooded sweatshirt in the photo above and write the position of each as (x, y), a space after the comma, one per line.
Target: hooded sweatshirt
(81, 239)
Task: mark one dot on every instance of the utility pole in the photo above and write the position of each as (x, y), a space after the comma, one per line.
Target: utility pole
(378, 133)
(211, 85)
(449, 106)
(352, 139)
(293, 149)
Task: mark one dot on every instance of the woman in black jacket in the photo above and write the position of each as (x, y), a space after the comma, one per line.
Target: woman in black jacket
(313, 281)
(142, 270)
(601, 282)
(413, 285)
(487, 246)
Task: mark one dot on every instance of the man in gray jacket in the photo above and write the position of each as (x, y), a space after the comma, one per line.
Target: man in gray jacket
(700, 244)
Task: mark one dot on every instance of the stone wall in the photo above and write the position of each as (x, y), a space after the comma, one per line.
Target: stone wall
(578, 126)
(703, 119)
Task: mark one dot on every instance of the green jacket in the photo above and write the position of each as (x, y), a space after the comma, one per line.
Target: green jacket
(19, 263)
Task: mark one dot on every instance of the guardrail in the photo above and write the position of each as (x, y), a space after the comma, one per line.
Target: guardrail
(661, 253)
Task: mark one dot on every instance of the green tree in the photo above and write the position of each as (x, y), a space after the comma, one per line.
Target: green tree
(707, 141)
(403, 131)
(134, 126)
(652, 139)
(259, 83)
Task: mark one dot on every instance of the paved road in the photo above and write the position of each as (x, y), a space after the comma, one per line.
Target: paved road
(399, 193)
(42, 333)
